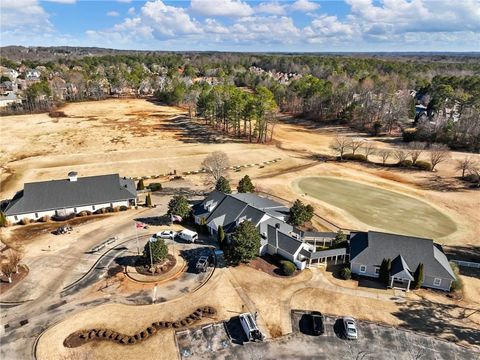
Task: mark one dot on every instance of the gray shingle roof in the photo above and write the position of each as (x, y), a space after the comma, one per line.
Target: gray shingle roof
(327, 253)
(373, 247)
(230, 208)
(285, 242)
(59, 194)
(400, 268)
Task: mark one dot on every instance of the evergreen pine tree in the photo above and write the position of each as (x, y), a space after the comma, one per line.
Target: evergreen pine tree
(220, 236)
(148, 200)
(140, 185)
(245, 185)
(223, 185)
(418, 277)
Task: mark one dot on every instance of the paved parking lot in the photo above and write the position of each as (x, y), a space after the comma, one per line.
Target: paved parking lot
(375, 342)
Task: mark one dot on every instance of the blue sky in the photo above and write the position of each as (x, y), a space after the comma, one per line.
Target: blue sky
(239, 25)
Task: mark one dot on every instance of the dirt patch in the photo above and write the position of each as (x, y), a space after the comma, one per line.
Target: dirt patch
(18, 236)
(270, 264)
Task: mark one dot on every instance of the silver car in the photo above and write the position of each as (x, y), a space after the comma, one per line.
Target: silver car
(350, 327)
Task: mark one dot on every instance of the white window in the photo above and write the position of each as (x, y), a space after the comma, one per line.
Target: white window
(377, 271)
(363, 268)
(437, 281)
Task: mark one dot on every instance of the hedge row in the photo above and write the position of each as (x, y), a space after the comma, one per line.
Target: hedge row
(81, 337)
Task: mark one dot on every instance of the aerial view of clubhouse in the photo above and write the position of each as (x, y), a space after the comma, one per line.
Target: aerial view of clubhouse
(158, 203)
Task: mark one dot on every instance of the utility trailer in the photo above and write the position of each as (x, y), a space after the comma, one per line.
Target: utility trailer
(250, 328)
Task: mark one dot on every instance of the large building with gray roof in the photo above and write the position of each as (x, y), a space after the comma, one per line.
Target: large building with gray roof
(71, 195)
(368, 249)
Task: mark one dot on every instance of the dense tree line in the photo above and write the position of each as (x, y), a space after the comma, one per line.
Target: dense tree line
(371, 93)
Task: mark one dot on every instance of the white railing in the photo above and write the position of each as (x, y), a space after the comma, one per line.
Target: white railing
(467, 264)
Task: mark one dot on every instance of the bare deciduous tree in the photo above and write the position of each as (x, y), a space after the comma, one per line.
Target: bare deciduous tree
(465, 164)
(340, 144)
(216, 164)
(415, 149)
(400, 154)
(384, 154)
(8, 269)
(14, 257)
(438, 154)
(355, 144)
(369, 149)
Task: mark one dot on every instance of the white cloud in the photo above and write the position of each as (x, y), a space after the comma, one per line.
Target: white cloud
(24, 15)
(304, 5)
(397, 17)
(131, 11)
(273, 8)
(265, 29)
(63, 1)
(231, 8)
(326, 27)
(213, 26)
(113, 13)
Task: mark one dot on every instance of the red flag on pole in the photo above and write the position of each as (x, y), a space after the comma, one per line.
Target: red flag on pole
(139, 225)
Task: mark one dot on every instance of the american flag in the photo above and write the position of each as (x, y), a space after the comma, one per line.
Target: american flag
(176, 218)
(139, 225)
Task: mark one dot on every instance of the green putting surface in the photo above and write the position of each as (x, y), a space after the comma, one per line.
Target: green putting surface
(387, 210)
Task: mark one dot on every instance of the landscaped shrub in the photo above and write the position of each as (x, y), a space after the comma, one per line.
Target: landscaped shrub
(473, 178)
(346, 273)
(123, 208)
(423, 165)
(409, 134)
(155, 186)
(3, 219)
(355, 157)
(457, 284)
(44, 218)
(405, 163)
(288, 268)
(25, 221)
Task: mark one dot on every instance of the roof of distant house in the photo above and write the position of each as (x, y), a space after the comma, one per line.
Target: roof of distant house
(373, 247)
(59, 194)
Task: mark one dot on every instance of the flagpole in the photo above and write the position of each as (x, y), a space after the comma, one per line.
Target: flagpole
(136, 232)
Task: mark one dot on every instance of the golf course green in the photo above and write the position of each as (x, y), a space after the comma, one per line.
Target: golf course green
(379, 208)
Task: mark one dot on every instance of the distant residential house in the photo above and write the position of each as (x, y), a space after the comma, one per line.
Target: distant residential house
(369, 249)
(32, 75)
(72, 195)
(9, 98)
(12, 74)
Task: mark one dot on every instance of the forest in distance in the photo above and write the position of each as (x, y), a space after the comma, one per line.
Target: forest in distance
(431, 98)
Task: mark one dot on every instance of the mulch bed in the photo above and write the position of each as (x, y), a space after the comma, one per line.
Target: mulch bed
(16, 278)
(270, 264)
(82, 337)
(162, 268)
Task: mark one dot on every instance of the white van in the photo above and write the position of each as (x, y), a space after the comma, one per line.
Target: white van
(188, 235)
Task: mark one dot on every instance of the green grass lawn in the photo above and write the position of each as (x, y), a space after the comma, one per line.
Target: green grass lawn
(387, 210)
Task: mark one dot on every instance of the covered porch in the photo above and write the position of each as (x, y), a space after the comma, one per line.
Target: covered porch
(400, 274)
